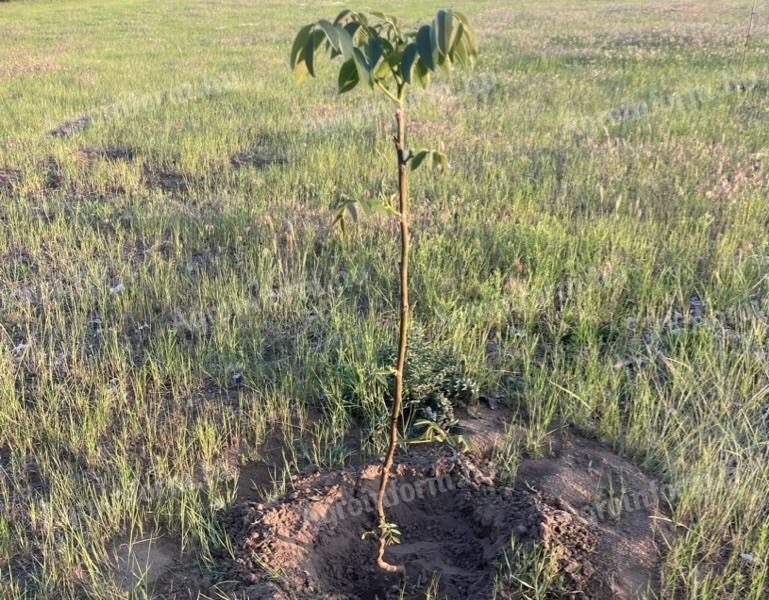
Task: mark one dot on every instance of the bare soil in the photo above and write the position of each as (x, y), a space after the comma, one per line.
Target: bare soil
(143, 562)
(593, 510)
(589, 507)
(454, 523)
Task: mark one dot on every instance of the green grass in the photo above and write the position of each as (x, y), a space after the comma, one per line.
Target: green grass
(559, 266)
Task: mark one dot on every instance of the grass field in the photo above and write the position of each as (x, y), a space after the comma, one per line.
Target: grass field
(172, 294)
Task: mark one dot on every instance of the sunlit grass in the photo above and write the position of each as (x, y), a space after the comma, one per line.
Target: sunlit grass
(171, 293)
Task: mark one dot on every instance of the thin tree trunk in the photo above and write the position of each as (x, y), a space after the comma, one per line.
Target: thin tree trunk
(400, 143)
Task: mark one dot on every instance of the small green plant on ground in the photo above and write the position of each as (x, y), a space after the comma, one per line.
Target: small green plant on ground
(379, 53)
(507, 456)
(529, 571)
(436, 381)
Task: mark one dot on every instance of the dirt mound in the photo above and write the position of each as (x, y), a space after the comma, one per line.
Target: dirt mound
(583, 516)
(456, 524)
(621, 504)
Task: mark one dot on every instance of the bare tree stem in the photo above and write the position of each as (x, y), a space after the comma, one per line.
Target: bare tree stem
(400, 143)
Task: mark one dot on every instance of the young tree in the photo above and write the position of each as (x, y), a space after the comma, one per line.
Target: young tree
(377, 52)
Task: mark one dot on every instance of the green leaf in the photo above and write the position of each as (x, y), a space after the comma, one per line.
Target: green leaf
(393, 22)
(299, 43)
(462, 18)
(440, 161)
(346, 44)
(443, 32)
(434, 40)
(374, 49)
(409, 56)
(458, 51)
(439, 58)
(376, 52)
(383, 71)
(352, 29)
(332, 33)
(469, 38)
(418, 159)
(348, 76)
(364, 70)
(313, 43)
(472, 48)
(424, 47)
(422, 73)
(457, 35)
(387, 48)
(309, 55)
(342, 16)
(394, 56)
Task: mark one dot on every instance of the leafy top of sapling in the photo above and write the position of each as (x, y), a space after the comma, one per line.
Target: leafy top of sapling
(378, 51)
